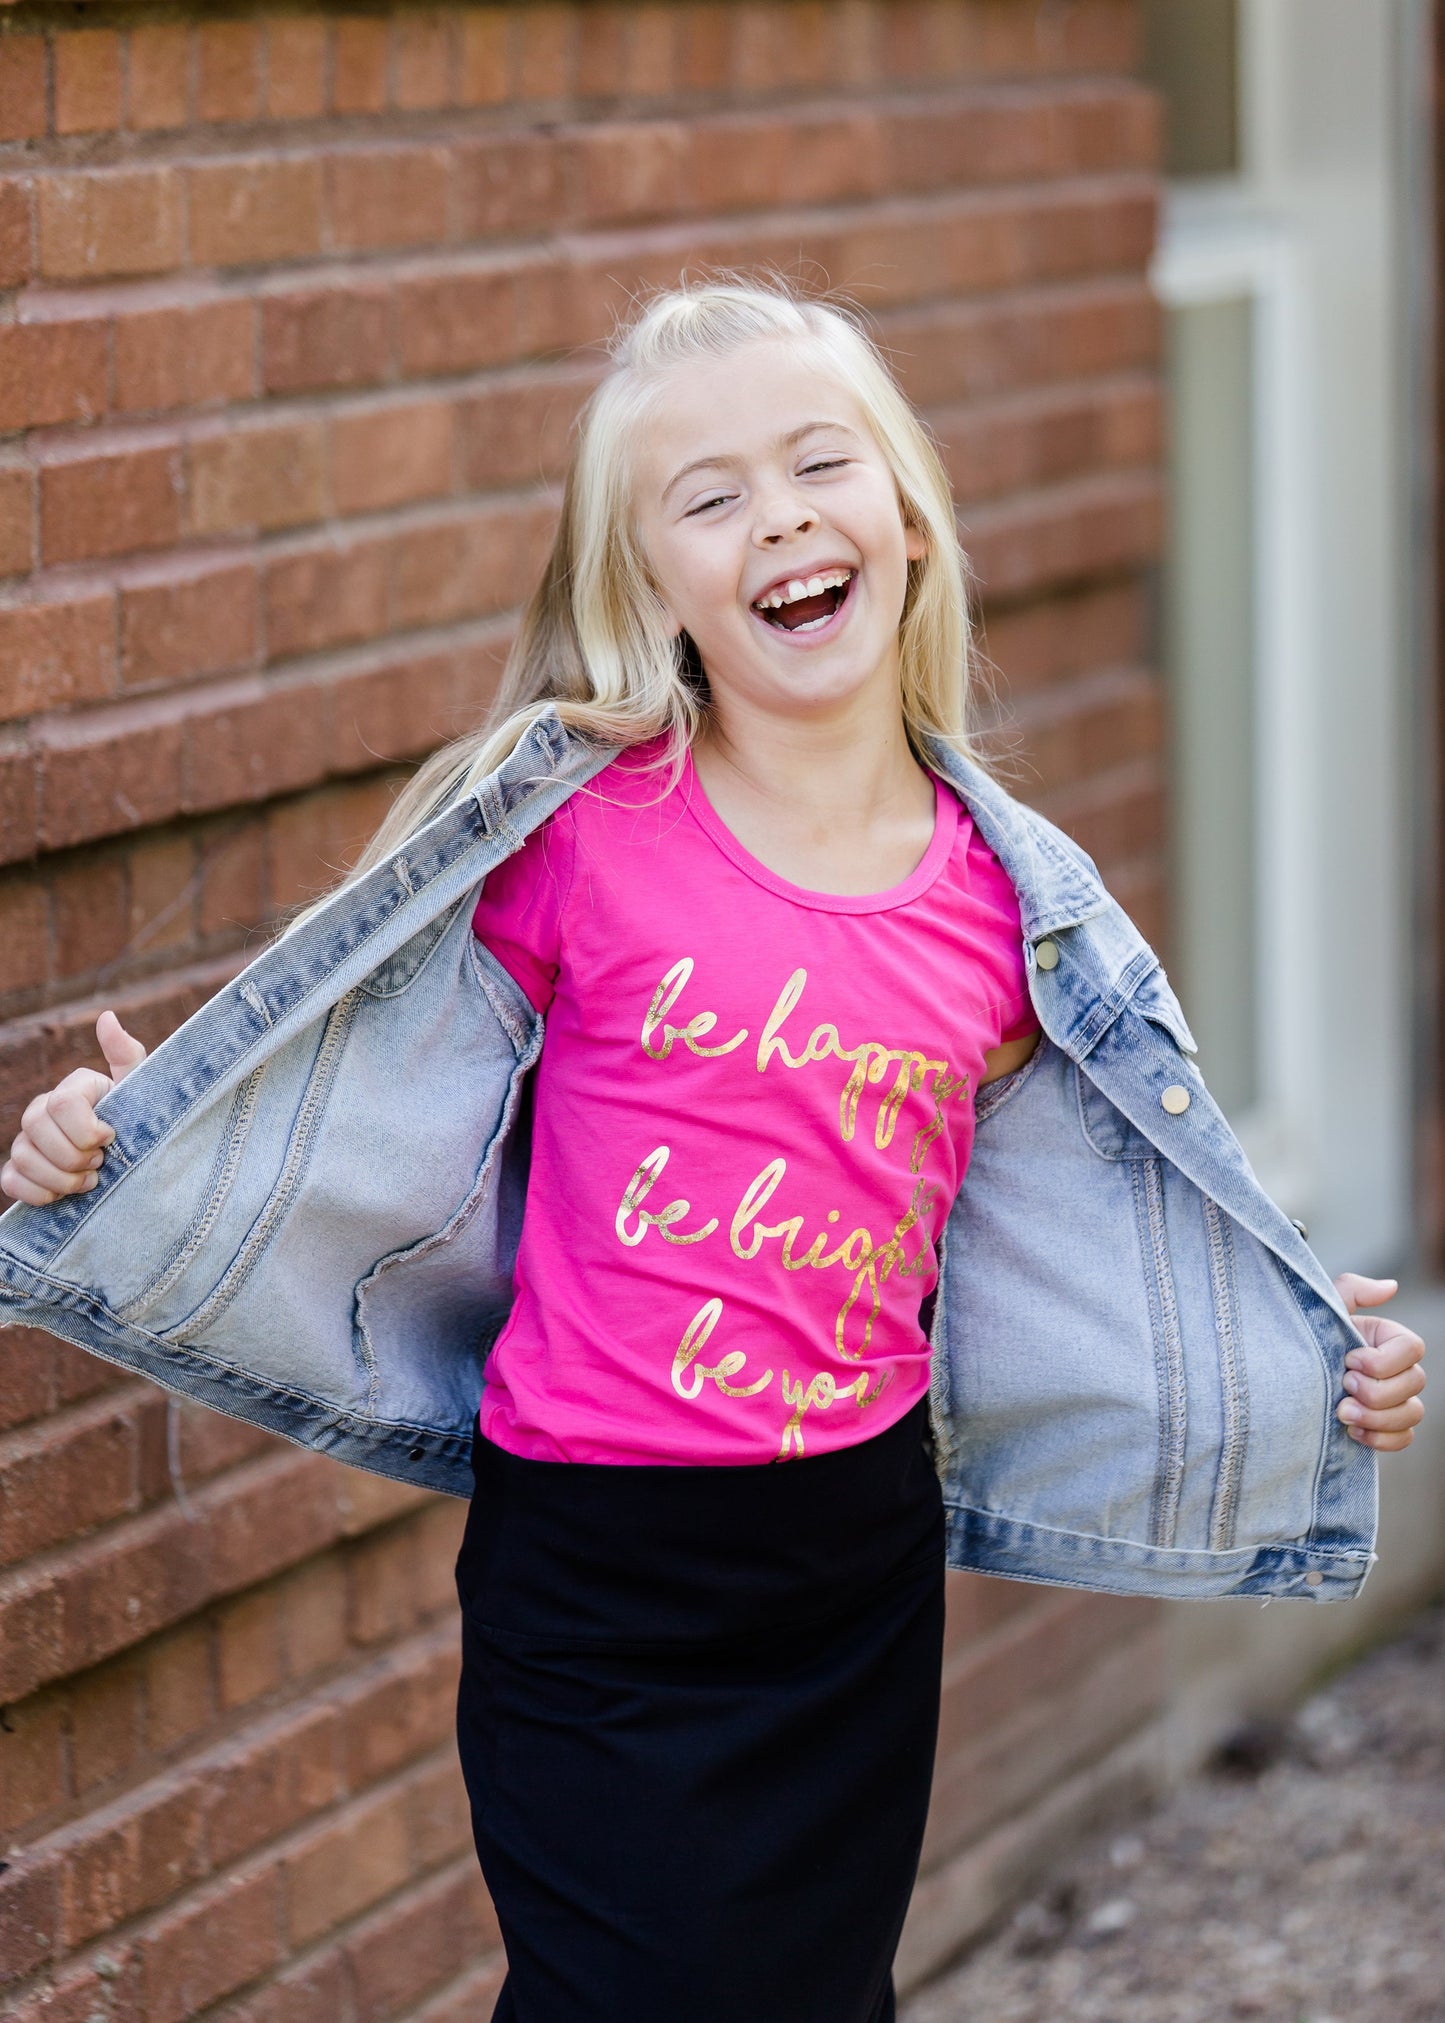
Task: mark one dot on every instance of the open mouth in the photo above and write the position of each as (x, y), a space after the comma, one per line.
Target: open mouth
(807, 602)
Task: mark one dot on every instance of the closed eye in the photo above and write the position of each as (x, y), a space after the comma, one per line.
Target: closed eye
(829, 464)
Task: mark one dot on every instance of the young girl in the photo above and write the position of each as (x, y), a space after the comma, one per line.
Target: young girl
(702, 1573)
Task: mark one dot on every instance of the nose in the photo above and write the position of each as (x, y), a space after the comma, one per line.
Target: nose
(781, 512)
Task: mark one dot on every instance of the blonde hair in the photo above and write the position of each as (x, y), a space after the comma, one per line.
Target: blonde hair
(593, 640)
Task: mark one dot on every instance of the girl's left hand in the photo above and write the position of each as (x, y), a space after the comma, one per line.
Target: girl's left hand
(1384, 1379)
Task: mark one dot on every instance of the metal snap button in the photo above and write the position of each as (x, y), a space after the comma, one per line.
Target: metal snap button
(1046, 954)
(1314, 1577)
(1175, 1099)
(1302, 1227)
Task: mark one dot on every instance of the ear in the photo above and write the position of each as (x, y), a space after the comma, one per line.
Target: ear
(669, 617)
(915, 541)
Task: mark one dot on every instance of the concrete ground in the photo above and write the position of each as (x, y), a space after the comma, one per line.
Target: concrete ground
(1300, 1879)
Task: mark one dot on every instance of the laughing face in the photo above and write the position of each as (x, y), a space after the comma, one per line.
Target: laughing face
(773, 527)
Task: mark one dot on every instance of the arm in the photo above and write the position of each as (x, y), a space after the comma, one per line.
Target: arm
(1002, 1060)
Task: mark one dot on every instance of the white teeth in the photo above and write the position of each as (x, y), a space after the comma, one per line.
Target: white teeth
(833, 579)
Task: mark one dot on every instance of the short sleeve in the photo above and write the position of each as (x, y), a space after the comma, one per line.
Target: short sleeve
(518, 915)
(1013, 1005)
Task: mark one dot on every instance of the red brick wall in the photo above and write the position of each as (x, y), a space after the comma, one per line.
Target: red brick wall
(289, 303)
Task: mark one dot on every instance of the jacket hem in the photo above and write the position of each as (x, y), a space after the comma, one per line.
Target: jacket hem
(982, 1541)
(419, 1455)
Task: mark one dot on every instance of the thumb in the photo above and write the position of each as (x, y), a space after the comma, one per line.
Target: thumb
(121, 1049)
(1358, 1291)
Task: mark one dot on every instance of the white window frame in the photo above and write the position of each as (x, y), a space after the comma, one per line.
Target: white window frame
(1216, 247)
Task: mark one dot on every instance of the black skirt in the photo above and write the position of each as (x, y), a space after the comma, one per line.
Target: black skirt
(697, 1720)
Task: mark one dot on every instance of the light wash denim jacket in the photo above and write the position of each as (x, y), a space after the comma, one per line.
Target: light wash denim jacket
(309, 1215)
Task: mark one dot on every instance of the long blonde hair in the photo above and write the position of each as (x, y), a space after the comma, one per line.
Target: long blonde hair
(593, 640)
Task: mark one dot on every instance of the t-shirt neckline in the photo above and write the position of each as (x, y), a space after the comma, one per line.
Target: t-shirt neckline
(923, 874)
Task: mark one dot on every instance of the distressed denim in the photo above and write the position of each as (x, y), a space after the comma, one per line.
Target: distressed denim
(310, 1212)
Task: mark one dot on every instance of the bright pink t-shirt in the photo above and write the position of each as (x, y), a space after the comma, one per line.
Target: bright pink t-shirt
(753, 1110)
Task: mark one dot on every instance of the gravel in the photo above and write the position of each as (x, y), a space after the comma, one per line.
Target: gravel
(1300, 1879)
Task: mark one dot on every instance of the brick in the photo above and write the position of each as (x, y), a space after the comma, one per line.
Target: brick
(423, 64)
(455, 320)
(473, 1995)
(55, 652)
(325, 597)
(387, 196)
(101, 222)
(264, 741)
(101, 777)
(127, 1859)
(110, 502)
(388, 456)
(52, 372)
(199, 354)
(25, 937)
(105, 1727)
(22, 87)
(603, 33)
(28, 1915)
(16, 229)
(295, 67)
(439, 1821)
(87, 81)
(88, 903)
(408, 1710)
(233, 885)
(546, 49)
(462, 567)
(32, 1764)
(654, 51)
(177, 623)
(703, 52)
(1092, 527)
(178, 1689)
(313, 1613)
(255, 210)
(483, 62)
(395, 712)
(228, 70)
(516, 431)
(17, 519)
(270, 1782)
(361, 64)
(19, 804)
(248, 1648)
(335, 335)
(628, 173)
(214, 1943)
(266, 475)
(159, 916)
(160, 74)
(346, 1866)
(507, 183)
(416, 1943)
(60, 1480)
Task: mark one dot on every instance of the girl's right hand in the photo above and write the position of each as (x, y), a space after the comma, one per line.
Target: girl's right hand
(61, 1141)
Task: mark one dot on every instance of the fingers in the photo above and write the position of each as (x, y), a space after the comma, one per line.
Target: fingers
(61, 1141)
(1389, 1349)
(1358, 1291)
(121, 1049)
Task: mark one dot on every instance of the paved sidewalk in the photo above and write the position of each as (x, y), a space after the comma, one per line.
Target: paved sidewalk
(1302, 1881)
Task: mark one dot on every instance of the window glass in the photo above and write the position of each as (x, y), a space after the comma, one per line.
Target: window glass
(1191, 54)
(1209, 659)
